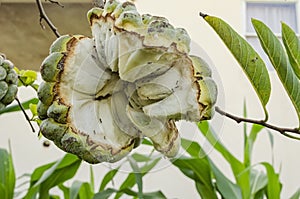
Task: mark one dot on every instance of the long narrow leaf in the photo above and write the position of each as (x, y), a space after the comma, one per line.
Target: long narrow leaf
(278, 58)
(14, 108)
(138, 176)
(259, 182)
(251, 63)
(199, 170)
(107, 178)
(7, 175)
(296, 195)
(274, 185)
(292, 46)
(52, 174)
(129, 182)
(249, 143)
(241, 175)
(226, 188)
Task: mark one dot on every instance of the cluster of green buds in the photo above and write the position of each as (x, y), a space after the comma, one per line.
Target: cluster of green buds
(8, 82)
(132, 80)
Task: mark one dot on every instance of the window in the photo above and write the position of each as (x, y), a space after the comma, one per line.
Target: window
(271, 14)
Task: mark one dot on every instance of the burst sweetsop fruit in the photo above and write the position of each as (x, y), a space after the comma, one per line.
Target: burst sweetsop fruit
(8, 82)
(101, 96)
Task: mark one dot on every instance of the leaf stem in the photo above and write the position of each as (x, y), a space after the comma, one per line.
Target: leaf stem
(283, 131)
(26, 116)
(44, 17)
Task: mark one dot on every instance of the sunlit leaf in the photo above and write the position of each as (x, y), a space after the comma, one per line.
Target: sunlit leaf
(292, 46)
(278, 58)
(249, 60)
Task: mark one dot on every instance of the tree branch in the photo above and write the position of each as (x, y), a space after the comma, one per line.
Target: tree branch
(283, 131)
(26, 116)
(44, 17)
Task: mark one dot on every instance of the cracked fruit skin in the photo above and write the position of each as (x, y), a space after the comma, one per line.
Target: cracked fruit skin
(8, 82)
(132, 80)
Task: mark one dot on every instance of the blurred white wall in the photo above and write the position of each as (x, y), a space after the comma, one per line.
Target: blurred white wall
(28, 151)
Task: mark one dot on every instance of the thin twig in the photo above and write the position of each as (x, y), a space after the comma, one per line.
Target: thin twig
(281, 130)
(44, 17)
(26, 116)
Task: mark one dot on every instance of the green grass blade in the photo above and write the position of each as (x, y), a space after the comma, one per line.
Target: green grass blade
(274, 185)
(292, 46)
(65, 190)
(249, 60)
(107, 178)
(278, 58)
(105, 194)
(259, 181)
(199, 170)
(74, 189)
(242, 176)
(52, 174)
(7, 175)
(250, 140)
(226, 188)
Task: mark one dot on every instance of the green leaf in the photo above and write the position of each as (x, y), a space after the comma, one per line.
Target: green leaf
(81, 190)
(278, 58)
(296, 195)
(138, 176)
(53, 174)
(129, 182)
(241, 175)
(140, 157)
(292, 46)
(14, 108)
(259, 182)
(193, 148)
(226, 188)
(107, 178)
(249, 60)
(86, 191)
(74, 189)
(199, 170)
(249, 143)
(108, 192)
(274, 185)
(26, 77)
(105, 194)
(92, 178)
(65, 190)
(7, 175)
